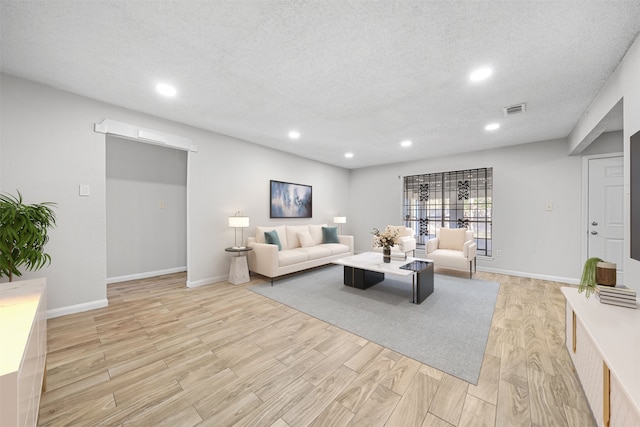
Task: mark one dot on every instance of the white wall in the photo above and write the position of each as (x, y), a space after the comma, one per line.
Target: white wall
(607, 142)
(49, 148)
(146, 209)
(623, 84)
(526, 178)
(229, 175)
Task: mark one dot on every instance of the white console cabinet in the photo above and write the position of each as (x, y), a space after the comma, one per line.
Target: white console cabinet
(604, 344)
(23, 350)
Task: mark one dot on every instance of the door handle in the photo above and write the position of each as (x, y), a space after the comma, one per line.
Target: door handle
(594, 223)
(594, 232)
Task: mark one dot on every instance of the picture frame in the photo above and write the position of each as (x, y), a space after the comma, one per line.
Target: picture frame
(289, 200)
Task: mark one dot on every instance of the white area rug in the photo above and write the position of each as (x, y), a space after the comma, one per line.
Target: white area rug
(448, 331)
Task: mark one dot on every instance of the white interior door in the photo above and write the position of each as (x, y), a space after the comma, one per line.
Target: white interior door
(606, 211)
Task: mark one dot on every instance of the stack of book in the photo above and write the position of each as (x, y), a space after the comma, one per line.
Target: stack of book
(616, 295)
(398, 256)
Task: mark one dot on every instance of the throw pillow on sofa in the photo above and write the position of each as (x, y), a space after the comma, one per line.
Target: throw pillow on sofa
(305, 239)
(330, 235)
(271, 237)
(316, 232)
(280, 229)
(292, 235)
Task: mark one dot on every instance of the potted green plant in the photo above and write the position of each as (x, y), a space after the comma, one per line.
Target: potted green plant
(23, 235)
(588, 279)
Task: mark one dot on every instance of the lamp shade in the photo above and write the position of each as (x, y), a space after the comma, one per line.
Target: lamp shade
(239, 221)
(339, 219)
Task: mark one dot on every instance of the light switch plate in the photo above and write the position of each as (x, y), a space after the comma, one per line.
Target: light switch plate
(85, 190)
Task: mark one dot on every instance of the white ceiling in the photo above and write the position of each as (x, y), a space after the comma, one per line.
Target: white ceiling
(357, 76)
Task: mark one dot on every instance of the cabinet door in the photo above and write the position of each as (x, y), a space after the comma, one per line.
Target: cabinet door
(588, 364)
(622, 412)
(570, 323)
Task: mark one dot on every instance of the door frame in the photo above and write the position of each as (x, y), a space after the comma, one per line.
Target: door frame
(140, 134)
(585, 200)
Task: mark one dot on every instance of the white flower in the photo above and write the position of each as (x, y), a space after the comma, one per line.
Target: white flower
(385, 239)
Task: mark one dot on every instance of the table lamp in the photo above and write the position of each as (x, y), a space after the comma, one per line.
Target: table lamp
(340, 220)
(241, 222)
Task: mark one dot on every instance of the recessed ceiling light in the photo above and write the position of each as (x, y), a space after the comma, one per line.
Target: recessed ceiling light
(165, 89)
(492, 126)
(348, 155)
(480, 74)
(406, 143)
(294, 134)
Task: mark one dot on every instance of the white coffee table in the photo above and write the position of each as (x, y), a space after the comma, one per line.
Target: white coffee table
(366, 269)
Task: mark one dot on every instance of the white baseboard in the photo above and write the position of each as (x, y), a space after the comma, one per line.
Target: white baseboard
(206, 281)
(568, 280)
(78, 308)
(145, 275)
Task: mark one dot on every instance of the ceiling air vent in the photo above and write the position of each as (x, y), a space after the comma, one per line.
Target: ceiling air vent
(514, 109)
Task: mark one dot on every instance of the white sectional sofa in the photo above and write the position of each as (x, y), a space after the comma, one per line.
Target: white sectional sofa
(301, 247)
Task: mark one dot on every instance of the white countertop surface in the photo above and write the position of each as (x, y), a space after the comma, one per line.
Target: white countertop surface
(373, 261)
(18, 304)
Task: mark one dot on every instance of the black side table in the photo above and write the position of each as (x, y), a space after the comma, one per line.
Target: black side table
(423, 286)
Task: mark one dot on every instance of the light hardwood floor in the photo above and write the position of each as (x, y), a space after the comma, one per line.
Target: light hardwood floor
(218, 355)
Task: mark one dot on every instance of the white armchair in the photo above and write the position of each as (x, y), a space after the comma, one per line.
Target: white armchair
(453, 248)
(407, 241)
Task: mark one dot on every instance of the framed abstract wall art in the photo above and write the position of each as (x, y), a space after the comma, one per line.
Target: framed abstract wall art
(290, 200)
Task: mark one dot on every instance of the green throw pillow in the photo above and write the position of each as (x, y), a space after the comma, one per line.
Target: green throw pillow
(330, 235)
(271, 237)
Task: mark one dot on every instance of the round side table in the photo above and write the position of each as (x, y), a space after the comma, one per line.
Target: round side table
(239, 270)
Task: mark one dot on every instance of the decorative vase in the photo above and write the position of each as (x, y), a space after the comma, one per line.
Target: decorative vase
(386, 254)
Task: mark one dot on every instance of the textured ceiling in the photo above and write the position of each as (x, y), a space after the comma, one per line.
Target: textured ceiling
(357, 76)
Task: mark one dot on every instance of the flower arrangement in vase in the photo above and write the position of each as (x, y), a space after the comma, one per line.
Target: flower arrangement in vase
(385, 239)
